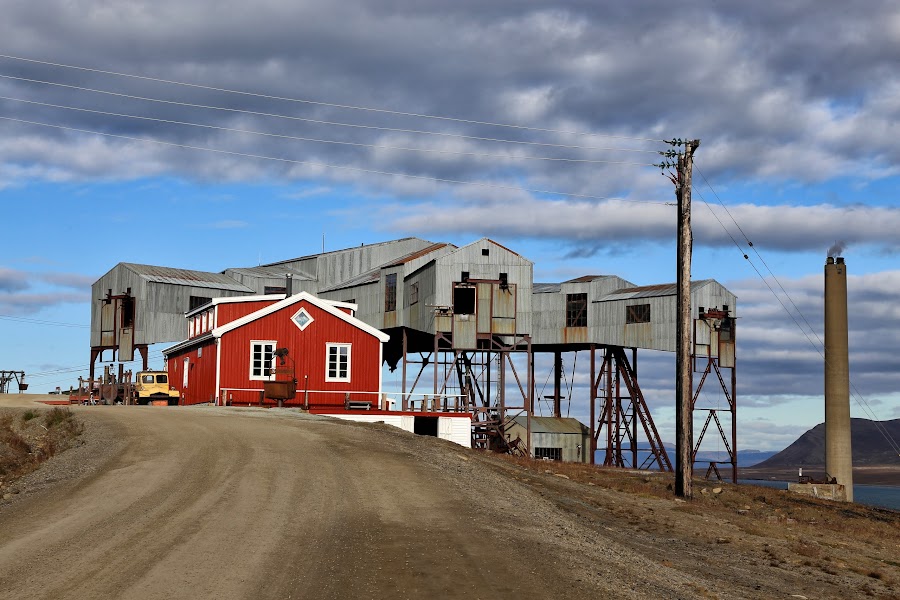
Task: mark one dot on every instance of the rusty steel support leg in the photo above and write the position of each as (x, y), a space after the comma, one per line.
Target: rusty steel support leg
(530, 398)
(557, 384)
(593, 400)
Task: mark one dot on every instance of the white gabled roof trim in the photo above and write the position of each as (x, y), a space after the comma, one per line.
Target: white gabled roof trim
(230, 299)
(326, 305)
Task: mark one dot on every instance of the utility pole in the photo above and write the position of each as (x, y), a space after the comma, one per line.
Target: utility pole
(684, 423)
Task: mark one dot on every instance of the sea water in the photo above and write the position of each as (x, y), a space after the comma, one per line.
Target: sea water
(884, 496)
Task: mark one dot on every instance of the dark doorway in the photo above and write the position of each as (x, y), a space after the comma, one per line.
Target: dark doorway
(425, 426)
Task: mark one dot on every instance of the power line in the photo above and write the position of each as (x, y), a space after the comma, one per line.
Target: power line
(323, 122)
(41, 322)
(860, 400)
(330, 166)
(325, 141)
(328, 104)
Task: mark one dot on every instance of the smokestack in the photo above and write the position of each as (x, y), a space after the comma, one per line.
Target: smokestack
(838, 454)
(288, 285)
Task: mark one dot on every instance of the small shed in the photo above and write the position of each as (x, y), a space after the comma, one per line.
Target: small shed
(553, 438)
(231, 352)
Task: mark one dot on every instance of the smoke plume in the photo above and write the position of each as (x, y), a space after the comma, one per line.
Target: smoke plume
(837, 248)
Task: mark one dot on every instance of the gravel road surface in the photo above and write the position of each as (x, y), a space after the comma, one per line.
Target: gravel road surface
(248, 503)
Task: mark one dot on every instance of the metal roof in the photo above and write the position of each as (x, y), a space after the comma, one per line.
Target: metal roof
(310, 256)
(414, 255)
(369, 277)
(585, 278)
(200, 279)
(565, 425)
(546, 288)
(374, 275)
(188, 343)
(271, 272)
(651, 291)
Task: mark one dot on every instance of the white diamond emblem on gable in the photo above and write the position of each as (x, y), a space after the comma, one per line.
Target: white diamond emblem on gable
(302, 319)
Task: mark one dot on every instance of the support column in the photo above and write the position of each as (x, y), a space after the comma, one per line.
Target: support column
(557, 384)
(593, 442)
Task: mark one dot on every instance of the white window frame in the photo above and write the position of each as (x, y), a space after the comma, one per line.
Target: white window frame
(308, 317)
(338, 379)
(267, 365)
(190, 328)
(187, 367)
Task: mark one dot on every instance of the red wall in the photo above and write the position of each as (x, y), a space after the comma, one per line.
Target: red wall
(306, 348)
(231, 311)
(201, 375)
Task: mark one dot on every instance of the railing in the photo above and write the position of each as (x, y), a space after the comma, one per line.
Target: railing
(413, 402)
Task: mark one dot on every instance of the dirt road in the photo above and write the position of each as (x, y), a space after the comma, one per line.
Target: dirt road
(226, 503)
(243, 504)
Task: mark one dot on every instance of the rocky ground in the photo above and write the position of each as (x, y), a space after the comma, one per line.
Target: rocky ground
(230, 503)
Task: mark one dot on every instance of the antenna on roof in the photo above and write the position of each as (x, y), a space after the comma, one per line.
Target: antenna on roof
(323, 242)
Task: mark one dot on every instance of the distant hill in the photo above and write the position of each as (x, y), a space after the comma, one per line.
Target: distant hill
(869, 446)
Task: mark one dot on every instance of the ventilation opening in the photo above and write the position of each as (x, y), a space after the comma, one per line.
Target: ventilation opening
(425, 426)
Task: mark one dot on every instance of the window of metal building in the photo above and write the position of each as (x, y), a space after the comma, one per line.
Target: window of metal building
(464, 300)
(197, 301)
(274, 289)
(576, 310)
(414, 293)
(390, 292)
(548, 453)
(639, 313)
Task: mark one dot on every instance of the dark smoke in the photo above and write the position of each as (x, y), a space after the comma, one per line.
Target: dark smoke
(837, 248)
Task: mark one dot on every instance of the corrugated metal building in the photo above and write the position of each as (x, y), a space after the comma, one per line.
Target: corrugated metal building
(554, 438)
(472, 315)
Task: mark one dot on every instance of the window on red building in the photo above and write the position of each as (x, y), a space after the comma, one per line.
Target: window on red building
(338, 367)
(261, 354)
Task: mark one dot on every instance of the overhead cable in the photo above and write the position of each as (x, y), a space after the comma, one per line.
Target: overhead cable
(328, 104)
(330, 166)
(324, 141)
(322, 122)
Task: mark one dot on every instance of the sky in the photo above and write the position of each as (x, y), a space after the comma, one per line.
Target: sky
(207, 135)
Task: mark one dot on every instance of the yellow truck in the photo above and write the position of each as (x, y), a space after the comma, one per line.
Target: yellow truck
(154, 385)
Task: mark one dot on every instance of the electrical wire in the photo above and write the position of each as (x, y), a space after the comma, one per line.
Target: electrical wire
(325, 141)
(330, 166)
(41, 321)
(328, 104)
(861, 402)
(320, 121)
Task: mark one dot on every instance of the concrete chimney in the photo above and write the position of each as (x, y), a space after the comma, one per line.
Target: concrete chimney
(838, 454)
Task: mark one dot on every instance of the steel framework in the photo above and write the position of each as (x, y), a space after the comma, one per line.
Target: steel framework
(720, 356)
(7, 377)
(480, 377)
(618, 407)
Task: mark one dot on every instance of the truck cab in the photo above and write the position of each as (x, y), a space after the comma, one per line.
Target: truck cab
(154, 385)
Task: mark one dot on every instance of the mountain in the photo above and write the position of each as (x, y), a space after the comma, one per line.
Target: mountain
(869, 446)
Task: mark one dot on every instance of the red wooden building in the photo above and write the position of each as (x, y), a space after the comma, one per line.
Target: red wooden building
(230, 352)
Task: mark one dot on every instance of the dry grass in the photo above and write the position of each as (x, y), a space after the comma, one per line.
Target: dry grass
(29, 438)
(769, 527)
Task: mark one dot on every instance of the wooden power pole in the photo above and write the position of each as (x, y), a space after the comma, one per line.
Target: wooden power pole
(684, 423)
